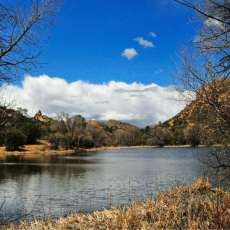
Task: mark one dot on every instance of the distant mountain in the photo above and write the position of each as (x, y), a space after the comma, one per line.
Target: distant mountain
(115, 124)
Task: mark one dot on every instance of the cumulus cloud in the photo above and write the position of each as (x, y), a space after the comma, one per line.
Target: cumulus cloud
(129, 53)
(140, 104)
(152, 34)
(143, 42)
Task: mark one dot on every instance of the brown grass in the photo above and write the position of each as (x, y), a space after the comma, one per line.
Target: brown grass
(43, 148)
(185, 207)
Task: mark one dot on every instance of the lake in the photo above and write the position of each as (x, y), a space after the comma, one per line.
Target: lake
(56, 186)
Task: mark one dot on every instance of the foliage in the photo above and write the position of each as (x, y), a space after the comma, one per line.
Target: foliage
(160, 136)
(32, 130)
(193, 135)
(67, 131)
(190, 126)
(75, 132)
(18, 120)
(55, 140)
(28, 126)
(14, 139)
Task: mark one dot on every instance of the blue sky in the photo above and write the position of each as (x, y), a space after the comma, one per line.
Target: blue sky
(84, 71)
(89, 36)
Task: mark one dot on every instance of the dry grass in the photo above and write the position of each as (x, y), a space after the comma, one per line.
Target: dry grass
(43, 148)
(185, 207)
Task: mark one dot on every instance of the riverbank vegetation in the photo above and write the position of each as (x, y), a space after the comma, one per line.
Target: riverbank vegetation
(195, 125)
(198, 206)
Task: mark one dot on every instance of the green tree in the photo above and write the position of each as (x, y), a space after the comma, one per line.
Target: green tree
(14, 139)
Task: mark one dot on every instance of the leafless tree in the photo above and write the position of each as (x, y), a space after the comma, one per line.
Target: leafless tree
(214, 35)
(22, 26)
(4, 116)
(68, 131)
(210, 79)
(22, 30)
(208, 75)
(211, 88)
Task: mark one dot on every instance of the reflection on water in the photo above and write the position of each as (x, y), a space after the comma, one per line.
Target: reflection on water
(58, 185)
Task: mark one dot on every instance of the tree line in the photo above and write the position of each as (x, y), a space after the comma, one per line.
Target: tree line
(75, 132)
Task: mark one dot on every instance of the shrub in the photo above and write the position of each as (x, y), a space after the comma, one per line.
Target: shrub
(193, 135)
(14, 139)
(1, 138)
(86, 142)
(55, 140)
(161, 136)
(32, 130)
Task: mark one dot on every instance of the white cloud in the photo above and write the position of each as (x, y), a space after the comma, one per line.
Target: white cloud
(136, 103)
(143, 42)
(129, 53)
(152, 34)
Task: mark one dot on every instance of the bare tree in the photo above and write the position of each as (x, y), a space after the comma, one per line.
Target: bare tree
(5, 115)
(208, 75)
(210, 78)
(68, 131)
(210, 87)
(22, 24)
(213, 38)
(22, 27)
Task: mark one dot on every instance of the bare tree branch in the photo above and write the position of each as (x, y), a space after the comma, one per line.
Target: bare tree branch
(21, 34)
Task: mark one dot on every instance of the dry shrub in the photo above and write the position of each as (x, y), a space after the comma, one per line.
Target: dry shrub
(185, 207)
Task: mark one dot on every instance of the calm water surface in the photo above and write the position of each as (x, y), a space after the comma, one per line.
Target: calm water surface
(60, 185)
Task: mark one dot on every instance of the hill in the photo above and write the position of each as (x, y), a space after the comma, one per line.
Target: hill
(203, 121)
(206, 119)
(112, 133)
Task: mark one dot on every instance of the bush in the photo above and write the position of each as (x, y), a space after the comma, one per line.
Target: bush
(14, 139)
(86, 142)
(32, 130)
(193, 136)
(2, 138)
(161, 136)
(55, 140)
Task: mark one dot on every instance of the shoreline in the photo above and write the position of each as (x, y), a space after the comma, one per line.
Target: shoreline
(105, 148)
(194, 206)
(43, 149)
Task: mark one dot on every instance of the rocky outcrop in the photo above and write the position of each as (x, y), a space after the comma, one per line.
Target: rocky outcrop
(40, 117)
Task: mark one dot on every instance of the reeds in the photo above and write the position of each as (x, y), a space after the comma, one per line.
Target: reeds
(197, 206)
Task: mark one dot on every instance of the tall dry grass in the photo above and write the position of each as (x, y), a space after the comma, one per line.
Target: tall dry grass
(197, 206)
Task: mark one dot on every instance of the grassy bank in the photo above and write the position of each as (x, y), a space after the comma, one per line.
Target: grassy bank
(184, 207)
(43, 148)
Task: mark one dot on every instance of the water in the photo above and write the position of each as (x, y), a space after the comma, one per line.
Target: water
(52, 187)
